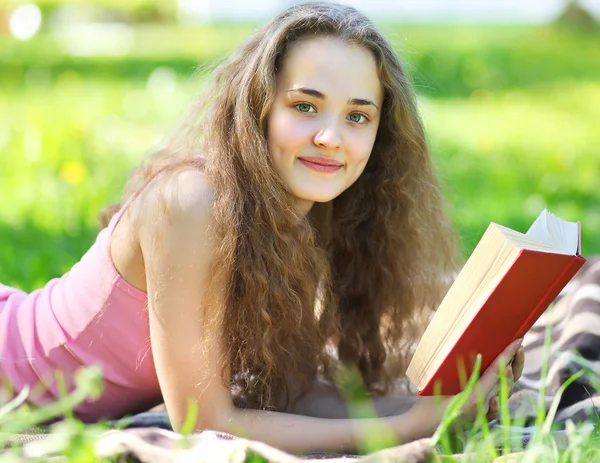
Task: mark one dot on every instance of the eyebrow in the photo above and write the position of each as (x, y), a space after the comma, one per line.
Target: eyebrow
(316, 94)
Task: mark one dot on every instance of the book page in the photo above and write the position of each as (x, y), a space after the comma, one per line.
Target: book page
(555, 232)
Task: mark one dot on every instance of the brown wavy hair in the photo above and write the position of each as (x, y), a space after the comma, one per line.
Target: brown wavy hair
(352, 282)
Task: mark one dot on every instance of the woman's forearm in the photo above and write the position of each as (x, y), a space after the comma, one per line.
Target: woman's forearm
(301, 434)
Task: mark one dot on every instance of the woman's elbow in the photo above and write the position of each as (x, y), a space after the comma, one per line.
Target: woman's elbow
(196, 419)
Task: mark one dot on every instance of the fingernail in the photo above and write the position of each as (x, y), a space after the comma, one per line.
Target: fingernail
(518, 342)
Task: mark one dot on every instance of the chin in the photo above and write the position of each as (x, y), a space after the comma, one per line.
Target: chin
(316, 197)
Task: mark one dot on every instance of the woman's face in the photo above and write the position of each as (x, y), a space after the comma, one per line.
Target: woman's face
(324, 119)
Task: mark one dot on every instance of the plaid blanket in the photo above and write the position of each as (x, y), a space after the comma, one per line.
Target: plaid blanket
(573, 327)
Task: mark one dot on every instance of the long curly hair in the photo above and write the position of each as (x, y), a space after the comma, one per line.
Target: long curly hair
(352, 282)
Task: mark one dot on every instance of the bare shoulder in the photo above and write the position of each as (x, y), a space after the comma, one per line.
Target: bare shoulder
(175, 216)
(169, 219)
(190, 193)
(181, 198)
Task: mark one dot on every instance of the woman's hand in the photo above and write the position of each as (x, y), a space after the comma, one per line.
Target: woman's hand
(428, 411)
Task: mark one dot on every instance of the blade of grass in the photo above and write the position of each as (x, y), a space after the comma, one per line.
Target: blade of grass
(554, 407)
(457, 403)
(14, 403)
(541, 405)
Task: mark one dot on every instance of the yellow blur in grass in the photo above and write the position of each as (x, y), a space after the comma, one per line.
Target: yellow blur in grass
(73, 172)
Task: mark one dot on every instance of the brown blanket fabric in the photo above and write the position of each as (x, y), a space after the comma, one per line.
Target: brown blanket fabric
(574, 322)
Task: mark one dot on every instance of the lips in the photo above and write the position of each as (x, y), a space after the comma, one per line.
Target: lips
(321, 164)
(322, 161)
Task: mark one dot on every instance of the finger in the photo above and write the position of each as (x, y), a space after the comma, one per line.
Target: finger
(507, 356)
(509, 353)
(494, 392)
(491, 393)
(509, 379)
(493, 375)
(518, 363)
(493, 409)
(490, 378)
(489, 382)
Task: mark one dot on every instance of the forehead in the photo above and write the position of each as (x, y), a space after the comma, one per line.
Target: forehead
(333, 67)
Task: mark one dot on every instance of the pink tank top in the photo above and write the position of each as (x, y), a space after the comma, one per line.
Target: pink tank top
(89, 316)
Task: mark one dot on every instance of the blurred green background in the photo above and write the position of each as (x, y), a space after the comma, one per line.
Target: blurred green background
(512, 113)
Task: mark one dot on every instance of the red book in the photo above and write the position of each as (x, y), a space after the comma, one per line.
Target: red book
(509, 280)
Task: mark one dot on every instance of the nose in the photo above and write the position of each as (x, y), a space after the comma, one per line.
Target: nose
(329, 136)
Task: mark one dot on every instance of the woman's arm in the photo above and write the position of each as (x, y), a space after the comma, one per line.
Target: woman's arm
(177, 248)
(188, 350)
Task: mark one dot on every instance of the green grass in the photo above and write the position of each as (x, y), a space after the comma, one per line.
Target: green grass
(511, 113)
(504, 156)
(454, 439)
(67, 436)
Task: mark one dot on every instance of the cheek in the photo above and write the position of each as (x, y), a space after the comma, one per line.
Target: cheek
(361, 146)
(360, 168)
(286, 132)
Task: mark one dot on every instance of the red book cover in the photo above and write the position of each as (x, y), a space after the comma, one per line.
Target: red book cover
(529, 286)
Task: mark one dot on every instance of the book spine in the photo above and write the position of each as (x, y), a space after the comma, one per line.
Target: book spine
(564, 277)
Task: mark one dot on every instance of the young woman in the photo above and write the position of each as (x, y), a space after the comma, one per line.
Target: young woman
(294, 224)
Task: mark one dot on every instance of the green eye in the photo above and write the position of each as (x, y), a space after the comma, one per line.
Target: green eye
(358, 118)
(304, 107)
